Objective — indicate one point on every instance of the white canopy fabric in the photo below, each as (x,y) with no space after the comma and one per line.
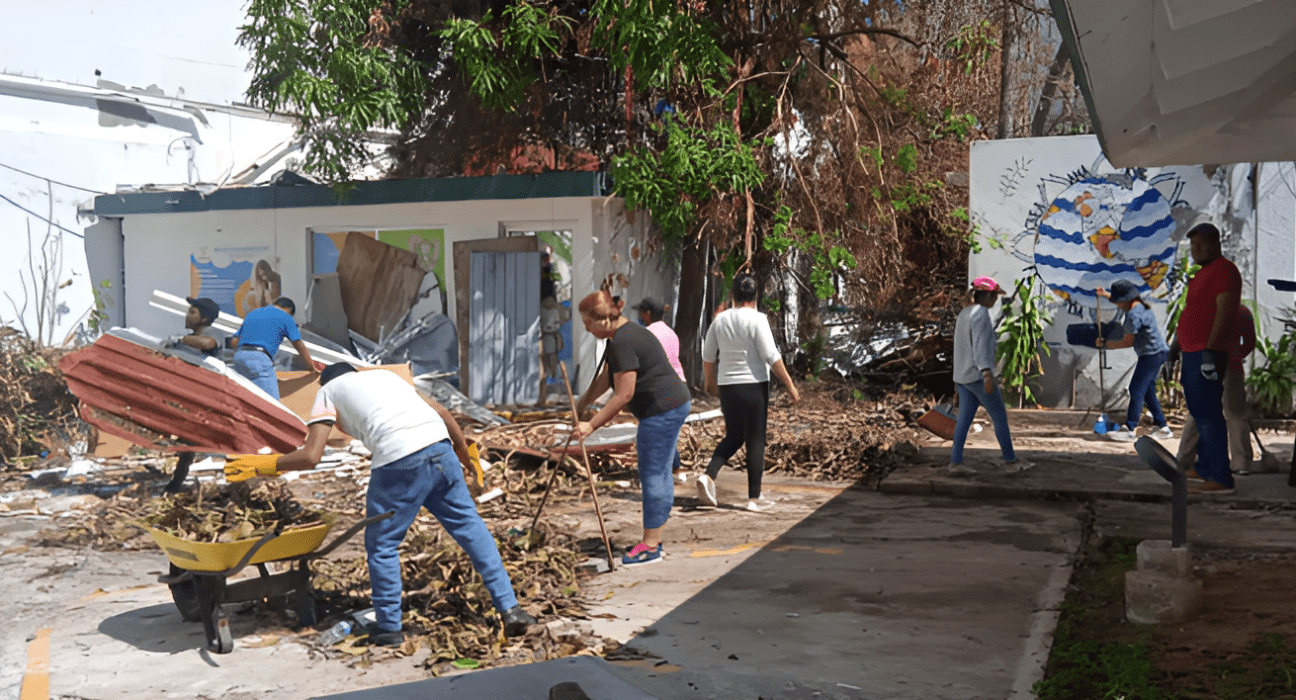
(1186,82)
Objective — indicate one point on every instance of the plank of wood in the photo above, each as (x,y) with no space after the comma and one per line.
(379,285)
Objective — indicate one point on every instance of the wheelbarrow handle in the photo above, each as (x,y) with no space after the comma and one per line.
(351,531)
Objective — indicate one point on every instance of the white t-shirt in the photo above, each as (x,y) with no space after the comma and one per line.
(741,344)
(381,410)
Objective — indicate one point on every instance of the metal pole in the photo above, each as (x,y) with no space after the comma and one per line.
(1102,357)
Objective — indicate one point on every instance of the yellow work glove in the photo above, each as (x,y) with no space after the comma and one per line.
(474,454)
(244,467)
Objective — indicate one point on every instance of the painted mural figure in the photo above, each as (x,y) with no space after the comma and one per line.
(1143,333)
(261,289)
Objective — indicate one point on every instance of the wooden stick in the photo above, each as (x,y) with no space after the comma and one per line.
(589,472)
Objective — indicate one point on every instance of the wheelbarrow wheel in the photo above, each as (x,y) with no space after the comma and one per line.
(185,595)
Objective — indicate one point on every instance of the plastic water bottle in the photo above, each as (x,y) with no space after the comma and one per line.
(335,634)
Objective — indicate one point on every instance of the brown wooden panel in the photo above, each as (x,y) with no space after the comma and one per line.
(379,284)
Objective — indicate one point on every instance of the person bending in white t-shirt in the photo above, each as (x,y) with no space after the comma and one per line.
(418,457)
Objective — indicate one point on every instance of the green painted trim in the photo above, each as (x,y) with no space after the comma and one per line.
(1062,15)
(446,189)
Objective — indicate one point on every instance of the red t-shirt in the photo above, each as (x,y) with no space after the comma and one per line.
(1217,277)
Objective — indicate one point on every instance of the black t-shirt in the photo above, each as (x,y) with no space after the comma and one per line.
(657,388)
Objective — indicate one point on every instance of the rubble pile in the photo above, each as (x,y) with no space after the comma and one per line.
(230,512)
(36,408)
(827,436)
(450,611)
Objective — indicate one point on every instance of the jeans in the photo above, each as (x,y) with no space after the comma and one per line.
(1142,390)
(656,441)
(971,397)
(746,415)
(1205,403)
(431,478)
(259,369)
(1237,416)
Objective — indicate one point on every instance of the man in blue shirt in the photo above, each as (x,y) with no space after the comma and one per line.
(257,343)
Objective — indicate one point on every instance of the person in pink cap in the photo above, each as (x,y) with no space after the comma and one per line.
(974,367)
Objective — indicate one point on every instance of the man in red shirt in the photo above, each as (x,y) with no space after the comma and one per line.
(1205,335)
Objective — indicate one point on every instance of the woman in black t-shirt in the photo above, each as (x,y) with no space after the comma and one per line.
(644,382)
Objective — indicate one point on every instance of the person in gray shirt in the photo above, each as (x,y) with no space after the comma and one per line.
(974,367)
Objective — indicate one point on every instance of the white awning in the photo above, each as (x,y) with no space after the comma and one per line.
(1185,82)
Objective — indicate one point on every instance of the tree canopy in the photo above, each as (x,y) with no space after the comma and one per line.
(807,138)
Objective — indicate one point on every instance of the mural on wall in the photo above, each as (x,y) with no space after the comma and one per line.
(238,279)
(1101,227)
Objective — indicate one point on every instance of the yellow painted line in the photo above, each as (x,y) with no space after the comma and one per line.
(723,552)
(35,685)
(803,548)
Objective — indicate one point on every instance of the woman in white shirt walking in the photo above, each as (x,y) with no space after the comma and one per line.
(974,366)
(740,348)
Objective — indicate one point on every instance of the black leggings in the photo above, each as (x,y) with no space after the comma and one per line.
(745,408)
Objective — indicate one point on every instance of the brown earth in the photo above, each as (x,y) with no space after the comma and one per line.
(1242,644)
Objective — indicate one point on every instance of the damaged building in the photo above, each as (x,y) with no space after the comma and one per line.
(445,274)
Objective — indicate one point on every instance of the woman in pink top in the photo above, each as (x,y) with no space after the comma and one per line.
(650,315)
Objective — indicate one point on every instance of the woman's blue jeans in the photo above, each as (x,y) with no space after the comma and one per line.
(971,397)
(431,478)
(656,442)
(1142,390)
(259,369)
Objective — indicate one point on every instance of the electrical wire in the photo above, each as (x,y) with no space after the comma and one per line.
(42,177)
(38,216)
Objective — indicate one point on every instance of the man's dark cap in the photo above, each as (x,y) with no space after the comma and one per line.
(1123,290)
(334,371)
(652,306)
(286,303)
(207,308)
(1208,229)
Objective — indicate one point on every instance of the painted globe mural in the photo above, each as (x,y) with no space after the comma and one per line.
(1098,231)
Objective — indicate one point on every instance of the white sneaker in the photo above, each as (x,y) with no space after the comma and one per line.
(758,504)
(706,490)
(682,477)
(1163,433)
(1123,434)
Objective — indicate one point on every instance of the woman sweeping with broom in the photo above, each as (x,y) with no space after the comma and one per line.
(1143,333)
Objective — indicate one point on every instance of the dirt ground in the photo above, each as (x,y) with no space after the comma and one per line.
(1242,644)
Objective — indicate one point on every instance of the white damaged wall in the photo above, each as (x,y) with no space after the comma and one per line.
(1041,206)
(94,95)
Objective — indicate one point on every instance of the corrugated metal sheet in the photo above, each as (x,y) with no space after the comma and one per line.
(504,328)
(139,394)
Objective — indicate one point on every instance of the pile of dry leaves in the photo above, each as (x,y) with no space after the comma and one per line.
(229,512)
(830,435)
(36,408)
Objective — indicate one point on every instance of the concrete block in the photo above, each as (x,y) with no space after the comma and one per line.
(1157,556)
(1153,598)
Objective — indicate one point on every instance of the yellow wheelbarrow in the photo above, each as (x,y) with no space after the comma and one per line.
(199,574)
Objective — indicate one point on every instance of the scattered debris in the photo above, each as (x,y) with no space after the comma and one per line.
(37,412)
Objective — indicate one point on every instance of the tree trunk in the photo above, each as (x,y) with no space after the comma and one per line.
(692,306)
(1052,84)
(1005,73)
